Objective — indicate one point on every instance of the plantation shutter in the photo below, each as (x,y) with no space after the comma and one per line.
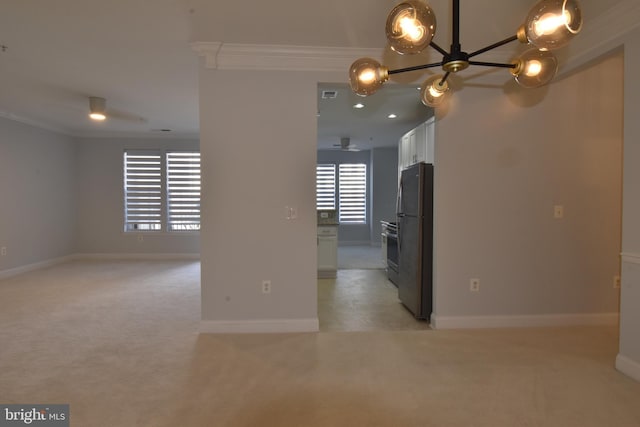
(143,190)
(183,191)
(325,186)
(352,180)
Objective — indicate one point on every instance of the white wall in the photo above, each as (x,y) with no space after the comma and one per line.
(504,159)
(629,357)
(37,195)
(258,145)
(100,201)
(503,163)
(382,168)
(353,234)
(384,165)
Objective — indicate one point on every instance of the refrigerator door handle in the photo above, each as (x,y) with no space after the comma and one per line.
(399,198)
(399,214)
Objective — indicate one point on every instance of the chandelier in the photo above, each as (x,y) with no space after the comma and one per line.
(411,26)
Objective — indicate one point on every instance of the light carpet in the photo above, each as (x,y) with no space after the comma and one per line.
(118,341)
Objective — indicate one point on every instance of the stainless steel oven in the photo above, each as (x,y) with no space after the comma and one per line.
(392,253)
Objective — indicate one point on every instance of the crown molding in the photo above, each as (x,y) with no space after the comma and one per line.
(602,34)
(33,123)
(223,56)
(182,135)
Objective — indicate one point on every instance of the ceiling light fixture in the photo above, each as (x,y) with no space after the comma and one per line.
(411,26)
(358,106)
(97,108)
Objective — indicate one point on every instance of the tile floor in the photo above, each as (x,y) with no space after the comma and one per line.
(362,299)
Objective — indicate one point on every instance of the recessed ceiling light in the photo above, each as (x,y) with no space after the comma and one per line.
(358,106)
(392,116)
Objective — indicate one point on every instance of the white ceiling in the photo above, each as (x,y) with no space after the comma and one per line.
(137,55)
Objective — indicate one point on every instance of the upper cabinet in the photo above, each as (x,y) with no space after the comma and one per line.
(417,145)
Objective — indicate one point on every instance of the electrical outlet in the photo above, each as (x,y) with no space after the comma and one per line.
(474,285)
(3,251)
(616,282)
(266,286)
(558,211)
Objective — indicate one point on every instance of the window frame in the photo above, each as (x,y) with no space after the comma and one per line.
(338,193)
(164,200)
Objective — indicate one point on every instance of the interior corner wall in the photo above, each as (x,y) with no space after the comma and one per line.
(100,195)
(384,165)
(259,146)
(37,191)
(505,157)
(352,234)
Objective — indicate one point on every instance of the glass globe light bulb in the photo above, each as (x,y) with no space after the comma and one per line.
(535,68)
(366,75)
(410,27)
(434,91)
(551,24)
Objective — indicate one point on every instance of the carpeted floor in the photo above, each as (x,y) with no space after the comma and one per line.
(118,341)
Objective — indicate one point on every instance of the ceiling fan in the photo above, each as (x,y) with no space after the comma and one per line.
(96,105)
(346,145)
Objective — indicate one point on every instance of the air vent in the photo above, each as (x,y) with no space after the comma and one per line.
(329,94)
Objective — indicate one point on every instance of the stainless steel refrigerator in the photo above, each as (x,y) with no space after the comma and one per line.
(415,239)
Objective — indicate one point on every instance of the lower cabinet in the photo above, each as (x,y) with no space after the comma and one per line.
(327,251)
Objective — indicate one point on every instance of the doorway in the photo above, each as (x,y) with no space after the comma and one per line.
(359,131)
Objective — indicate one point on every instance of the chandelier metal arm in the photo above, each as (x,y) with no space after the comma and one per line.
(438,48)
(493,46)
(411,26)
(492,64)
(417,67)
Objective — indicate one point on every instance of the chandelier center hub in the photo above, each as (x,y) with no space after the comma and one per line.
(455,66)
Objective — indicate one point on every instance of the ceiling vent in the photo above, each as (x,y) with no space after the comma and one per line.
(329,94)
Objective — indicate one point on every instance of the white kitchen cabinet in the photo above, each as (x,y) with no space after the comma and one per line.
(417,145)
(327,251)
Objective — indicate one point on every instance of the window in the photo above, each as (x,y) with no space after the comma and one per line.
(326,186)
(142,191)
(353,193)
(161,190)
(351,186)
(183,191)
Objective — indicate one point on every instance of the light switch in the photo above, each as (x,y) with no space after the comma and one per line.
(291,212)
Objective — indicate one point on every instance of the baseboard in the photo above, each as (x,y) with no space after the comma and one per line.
(628,367)
(259,326)
(4,274)
(137,256)
(531,321)
(354,242)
